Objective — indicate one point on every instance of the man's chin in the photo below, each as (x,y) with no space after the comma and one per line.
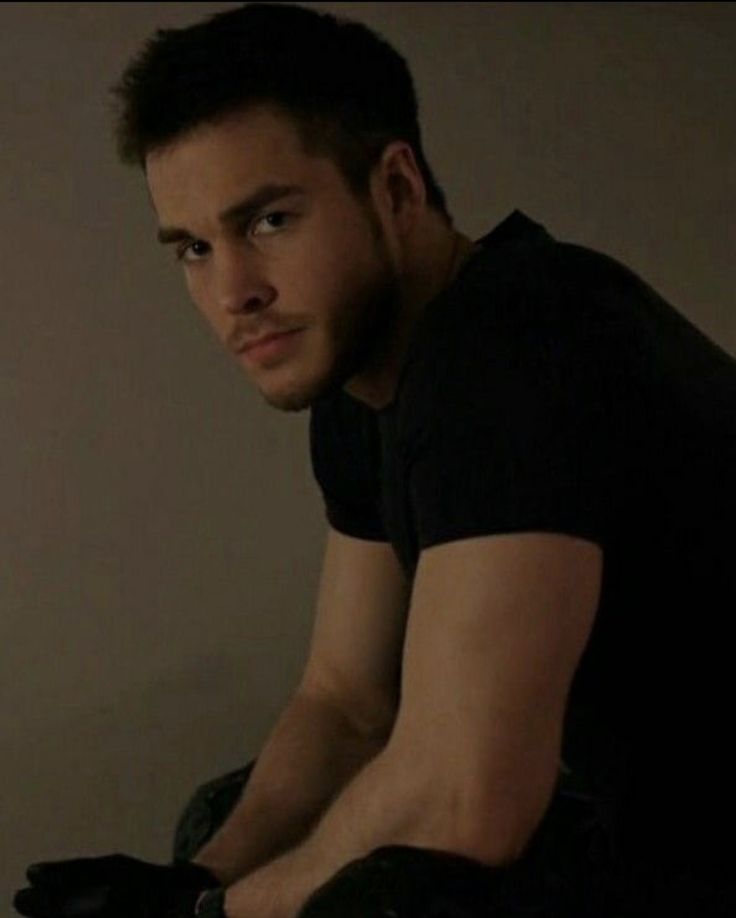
(300,394)
(299,398)
(290,401)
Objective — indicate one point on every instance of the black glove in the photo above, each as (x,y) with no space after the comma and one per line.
(115,886)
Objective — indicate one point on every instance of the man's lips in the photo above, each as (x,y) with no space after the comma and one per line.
(264,339)
(268,349)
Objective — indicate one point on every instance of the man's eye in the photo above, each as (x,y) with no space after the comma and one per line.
(191,251)
(270,223)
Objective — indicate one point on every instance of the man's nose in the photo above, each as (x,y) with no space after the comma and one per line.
(241,286)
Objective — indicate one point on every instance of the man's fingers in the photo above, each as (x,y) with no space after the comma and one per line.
(21,902)
(43,902)
(83,871)
(62,873)
(34,903)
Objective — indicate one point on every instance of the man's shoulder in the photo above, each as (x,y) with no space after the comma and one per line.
(522,285)
(514,320)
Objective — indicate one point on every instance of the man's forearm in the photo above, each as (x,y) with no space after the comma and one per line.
(312,752)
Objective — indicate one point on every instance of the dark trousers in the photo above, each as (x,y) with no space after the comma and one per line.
(573,868)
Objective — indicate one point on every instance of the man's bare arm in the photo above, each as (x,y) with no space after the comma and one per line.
(496,629)
(338,718)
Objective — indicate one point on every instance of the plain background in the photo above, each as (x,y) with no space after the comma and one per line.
(161,533)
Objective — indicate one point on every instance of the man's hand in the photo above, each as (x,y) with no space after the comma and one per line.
(115,886)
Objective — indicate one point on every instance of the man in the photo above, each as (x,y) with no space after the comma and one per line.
(516,690)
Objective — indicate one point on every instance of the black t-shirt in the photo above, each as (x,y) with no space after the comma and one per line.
(550,389)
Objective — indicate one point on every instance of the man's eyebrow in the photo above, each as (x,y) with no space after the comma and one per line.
(240,212)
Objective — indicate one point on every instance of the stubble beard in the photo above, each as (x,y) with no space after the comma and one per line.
(359,337)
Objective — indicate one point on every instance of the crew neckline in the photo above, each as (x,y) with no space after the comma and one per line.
(516,225)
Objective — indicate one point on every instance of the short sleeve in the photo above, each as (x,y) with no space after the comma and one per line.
(346,458)
(537,420)
(484,481)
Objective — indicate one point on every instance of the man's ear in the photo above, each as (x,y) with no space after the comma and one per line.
(400,184)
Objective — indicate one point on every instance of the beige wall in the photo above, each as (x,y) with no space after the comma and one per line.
(161,534)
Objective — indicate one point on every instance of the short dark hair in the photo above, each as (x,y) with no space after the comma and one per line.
(349,92)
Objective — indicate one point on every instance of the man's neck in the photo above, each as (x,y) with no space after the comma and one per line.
(435,270)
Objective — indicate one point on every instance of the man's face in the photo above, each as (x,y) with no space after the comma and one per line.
(309,265)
